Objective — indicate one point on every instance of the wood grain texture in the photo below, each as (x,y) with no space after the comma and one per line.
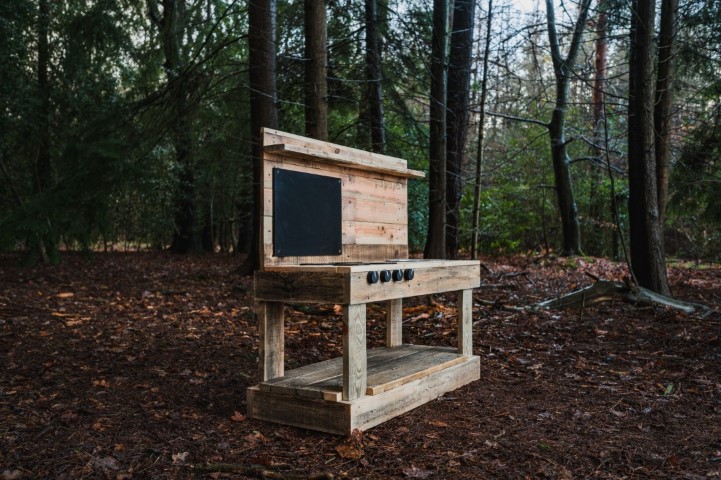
(375,409)
(271,340)
(301,287)
(374,201)
(394,322)
(465,322)
(354,351)
(343,417)
(450,277)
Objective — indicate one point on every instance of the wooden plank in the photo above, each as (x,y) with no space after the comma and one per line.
(301,287)
(341,418)
(340,159)
(374,233)
(465,322)
(394,322)
(298,412)
(354,351)
(414,368)
(426,281)
(331,388)
(304,377)
(375,409)
(276,137)
(271,343)
(351,253)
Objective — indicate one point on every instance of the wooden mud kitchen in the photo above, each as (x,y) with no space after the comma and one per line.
(335,230)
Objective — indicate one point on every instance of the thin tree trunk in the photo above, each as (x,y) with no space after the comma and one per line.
(598,114)
(459,79)
(563,67)
(663,112)
(316,70)
(647,256)
(436,239)
(481,132)
(374,92)
(42,245)
(263,109)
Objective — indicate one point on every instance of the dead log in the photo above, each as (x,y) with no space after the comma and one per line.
(606,291)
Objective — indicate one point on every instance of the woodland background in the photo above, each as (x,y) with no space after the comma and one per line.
(127,124)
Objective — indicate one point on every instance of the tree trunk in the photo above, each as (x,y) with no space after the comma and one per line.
(41,245)
(316,70)
(647,256)
(187,234)
(563,68)
(663,112)
(435,241)
(374,92)
(263,109)
(597,206)
(459,78)
(481,131)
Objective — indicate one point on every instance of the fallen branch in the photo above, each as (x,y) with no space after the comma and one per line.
(258,471)
(605,291)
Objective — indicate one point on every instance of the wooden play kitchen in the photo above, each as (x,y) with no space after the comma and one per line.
(335,230)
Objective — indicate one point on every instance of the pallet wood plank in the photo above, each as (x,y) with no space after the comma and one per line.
(394,322)
(465,322)
(354,351)
(272,343)
(406,372)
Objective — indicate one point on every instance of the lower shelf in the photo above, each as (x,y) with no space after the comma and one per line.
(399,379)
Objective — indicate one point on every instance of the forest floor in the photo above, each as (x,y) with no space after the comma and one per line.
(136,365)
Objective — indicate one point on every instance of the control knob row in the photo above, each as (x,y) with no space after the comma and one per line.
(386,275)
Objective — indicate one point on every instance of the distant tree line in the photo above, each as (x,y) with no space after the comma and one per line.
(134,124)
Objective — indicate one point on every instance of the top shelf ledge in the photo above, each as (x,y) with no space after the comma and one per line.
(342,160)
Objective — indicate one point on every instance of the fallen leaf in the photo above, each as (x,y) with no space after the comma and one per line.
(438,423)
(11,474)
(106,463)
(65,295)
(238,417)
(415,472)
(180,458)
(337,309)
(349,452)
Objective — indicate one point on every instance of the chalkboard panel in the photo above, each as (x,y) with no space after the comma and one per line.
(307,218)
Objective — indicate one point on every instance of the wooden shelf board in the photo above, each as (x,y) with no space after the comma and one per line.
(388,368)
(341,417)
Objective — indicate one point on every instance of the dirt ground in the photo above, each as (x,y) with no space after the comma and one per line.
(136,365)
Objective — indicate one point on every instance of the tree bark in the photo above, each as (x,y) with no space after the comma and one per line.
(436,239)
(263,108)
(459,78)
(663,112)
(647,255)
(481,132)
(562,68)
(187,234)
(316,70)
(374,91)
(41,245)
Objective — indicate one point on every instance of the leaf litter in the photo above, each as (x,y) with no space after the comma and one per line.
(120,365)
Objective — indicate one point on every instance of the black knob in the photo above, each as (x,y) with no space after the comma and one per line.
(385,275)
(409,274)
(397,275)
(372,277)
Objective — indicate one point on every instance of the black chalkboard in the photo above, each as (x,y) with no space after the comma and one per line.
(307,218)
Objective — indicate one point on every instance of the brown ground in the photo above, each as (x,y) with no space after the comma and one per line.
(135,366)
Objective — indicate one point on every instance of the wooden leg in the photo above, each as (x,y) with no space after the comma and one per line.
(465,322)
(272,343)
(394,322)
(354,352)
